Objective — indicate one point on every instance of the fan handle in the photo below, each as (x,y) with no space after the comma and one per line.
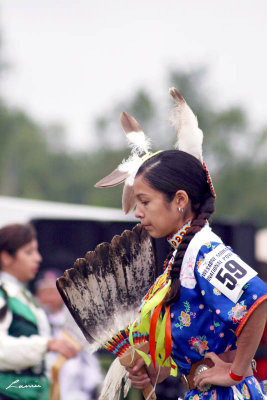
(129,358)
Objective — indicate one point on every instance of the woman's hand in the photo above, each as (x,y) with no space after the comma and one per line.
(139,378)
(247,344)
(216,375)
(141,375)
(62,346)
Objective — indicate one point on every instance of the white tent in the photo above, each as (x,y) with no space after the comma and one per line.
(17,210)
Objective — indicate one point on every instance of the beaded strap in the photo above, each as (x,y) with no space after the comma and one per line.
(209,180)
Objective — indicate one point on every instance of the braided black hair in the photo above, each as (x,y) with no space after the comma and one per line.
(168,172)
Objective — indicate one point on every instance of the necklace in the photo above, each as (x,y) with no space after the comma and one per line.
(176,239)
(163,279)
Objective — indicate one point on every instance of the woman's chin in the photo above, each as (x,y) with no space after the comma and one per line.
(153,232)
(155,235)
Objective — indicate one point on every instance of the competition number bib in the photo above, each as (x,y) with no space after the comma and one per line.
(226,272)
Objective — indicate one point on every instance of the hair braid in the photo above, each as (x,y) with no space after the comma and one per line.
(205,211)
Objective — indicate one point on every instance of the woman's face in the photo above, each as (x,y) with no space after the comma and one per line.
(25,263)
(159,217)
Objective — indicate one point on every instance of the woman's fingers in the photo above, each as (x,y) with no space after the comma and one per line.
(140,378)
(214,358)
(216,375)
(140,382)
(137,366)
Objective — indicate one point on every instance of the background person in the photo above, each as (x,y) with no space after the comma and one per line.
(24,328)
(79,377)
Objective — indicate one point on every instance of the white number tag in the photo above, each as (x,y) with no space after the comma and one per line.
(226,271)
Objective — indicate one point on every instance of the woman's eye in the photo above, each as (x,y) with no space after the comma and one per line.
(144,203)
(29,252)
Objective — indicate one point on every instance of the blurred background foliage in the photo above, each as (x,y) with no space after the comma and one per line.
(36,163)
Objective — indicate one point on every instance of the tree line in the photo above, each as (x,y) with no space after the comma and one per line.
(36,163)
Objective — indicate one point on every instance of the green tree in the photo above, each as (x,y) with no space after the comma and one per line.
(35,162)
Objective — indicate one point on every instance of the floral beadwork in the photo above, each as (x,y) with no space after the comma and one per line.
(257,385)
(203,396)
(213,395)
(245,391)
(238,312)
(216,292)
(208,245)
(196,397)
(184,317)
(199,262)
(199,343)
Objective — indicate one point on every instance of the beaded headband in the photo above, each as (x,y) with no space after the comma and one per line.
(189,140)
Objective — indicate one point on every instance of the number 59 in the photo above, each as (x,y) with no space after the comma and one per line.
(235,269)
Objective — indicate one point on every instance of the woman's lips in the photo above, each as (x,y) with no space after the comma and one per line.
(147,227)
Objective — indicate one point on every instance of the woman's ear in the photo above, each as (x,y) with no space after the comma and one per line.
(181,199)
(5,259)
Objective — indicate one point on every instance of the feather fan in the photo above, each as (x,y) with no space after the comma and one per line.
(103,291)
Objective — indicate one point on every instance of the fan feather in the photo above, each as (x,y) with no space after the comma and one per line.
(103,291)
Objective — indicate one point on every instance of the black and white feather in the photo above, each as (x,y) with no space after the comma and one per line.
(103,291)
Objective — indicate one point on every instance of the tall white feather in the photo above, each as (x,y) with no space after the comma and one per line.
(189,136)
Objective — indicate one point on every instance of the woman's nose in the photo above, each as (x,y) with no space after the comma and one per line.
(138,212)
(38,256)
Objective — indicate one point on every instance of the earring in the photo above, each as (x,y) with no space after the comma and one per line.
(180,209)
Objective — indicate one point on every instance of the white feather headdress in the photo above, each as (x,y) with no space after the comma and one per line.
(189,136)
(189,139)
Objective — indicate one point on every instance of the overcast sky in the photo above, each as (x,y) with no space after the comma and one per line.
(71,59)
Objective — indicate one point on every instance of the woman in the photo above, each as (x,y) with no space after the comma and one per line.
(24,329)
(207,312)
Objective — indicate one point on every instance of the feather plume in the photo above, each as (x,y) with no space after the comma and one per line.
(128,198)
(189,136)
(113,179)
(136,137)
(126,171)
(112,384)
